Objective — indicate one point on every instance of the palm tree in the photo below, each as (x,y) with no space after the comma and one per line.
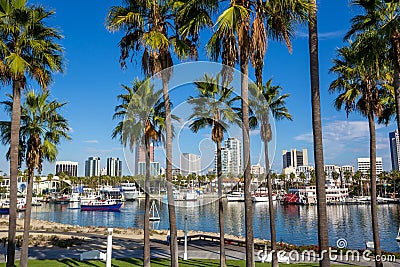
(150,28)
(317,134)
(213,107)
(143,118)
(382,16)
(42,128)
(27,50)
(263,100)
(361,84)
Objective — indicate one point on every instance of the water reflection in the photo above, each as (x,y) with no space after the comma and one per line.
(294,224)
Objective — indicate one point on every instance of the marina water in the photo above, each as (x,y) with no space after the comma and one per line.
(294,224)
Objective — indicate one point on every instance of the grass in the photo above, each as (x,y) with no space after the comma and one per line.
(154,263)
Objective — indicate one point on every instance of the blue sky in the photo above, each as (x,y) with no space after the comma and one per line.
(93,77)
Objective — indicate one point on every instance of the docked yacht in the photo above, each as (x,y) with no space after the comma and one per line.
(129,191)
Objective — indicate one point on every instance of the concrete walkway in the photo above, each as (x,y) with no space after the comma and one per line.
(127,248)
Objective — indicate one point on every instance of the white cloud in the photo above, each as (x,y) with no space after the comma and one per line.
(343,136)
(324,35)
(91,141)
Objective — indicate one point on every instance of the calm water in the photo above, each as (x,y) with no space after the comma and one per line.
(295,224)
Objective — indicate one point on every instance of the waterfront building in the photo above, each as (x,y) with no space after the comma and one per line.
(348,168)
(190,164)
(363,165)
(70,168)
(257,169)
(294,158)
(330,169)
(154,168)
(92,167)
(103,171)
(395,149)
(176,172)
(114,167)
(140,156)
(231,157)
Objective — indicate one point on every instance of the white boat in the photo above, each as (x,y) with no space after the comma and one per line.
(75,197)
(262,198)
(154,216)
(398,235)
(129,191)
(235,196)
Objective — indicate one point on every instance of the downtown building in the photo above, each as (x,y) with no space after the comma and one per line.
(363,165)
(154,168)
(140,157)
(190,164)
(92,167)
(70,168)
(114,167)
(231,157)
(395,149)
(294,158)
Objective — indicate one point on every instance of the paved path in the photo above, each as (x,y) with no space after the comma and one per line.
(128,248)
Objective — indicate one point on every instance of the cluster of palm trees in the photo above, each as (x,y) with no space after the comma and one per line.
(155,30)
(159,31)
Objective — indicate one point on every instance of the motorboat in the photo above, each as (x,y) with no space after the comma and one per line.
(129,191)
(101,205)
(235,196)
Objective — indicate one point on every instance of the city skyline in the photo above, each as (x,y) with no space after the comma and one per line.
(345,139)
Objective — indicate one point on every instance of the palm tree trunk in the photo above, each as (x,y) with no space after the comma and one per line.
(27,221)
(374,207)
(168,175)
(274,262)
(146,224)
(317,135)
(395,41)
(246,154)
(14,150)
(222,256)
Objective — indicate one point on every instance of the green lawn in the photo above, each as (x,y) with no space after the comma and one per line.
(138,262)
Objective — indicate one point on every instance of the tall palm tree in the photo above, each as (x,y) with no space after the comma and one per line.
(317,134)
(382,16)
(28,50)
(263,100)
(213,107)
(42,128)
(150,28)
(360,82)
(143,118)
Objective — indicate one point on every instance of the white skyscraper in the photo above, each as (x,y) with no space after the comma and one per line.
(364,165)
(231,157)
(114,167)
(92,167)
(190,163)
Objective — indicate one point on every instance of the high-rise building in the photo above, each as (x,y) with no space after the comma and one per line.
(140,156)
(70,168)
(395,149)
(190,163)
(114,167)
(257,169)
(92,167)
(363,165)
(231,157)
(154,168)
(294,158)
